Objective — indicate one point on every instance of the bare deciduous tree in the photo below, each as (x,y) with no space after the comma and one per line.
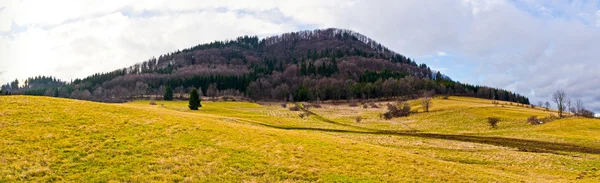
(578,107)
(211,91)
(547,105)
(560,97)
(426,101)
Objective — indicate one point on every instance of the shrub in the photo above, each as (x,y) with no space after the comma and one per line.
(493,121)
(394,111)
(533,120)
(295,108)
(548,119)
(284,105)
(387,116)
(152,102)
(373,105)
(587,113)
(405,110)
(353,104)
(228,98)
(303,115)
(445,97)
(358,119)
(315,105)
(365,106)
(495,102)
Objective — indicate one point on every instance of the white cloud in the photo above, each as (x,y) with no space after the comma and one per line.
(111,41)
(441,53)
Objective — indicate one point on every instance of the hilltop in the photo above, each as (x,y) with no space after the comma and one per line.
(51,139)
(317,65)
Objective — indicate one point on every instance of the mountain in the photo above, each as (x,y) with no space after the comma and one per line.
(324,64)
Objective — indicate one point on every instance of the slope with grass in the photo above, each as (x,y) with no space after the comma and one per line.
(49,139)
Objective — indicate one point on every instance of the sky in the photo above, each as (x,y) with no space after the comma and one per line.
(530,47)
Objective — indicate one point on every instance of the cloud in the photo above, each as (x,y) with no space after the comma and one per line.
(531,47)
(104,43)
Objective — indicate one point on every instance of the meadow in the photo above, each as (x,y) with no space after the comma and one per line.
(50,139)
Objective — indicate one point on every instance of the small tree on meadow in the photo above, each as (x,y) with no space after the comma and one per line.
(560,98)
(426,101)
(194,100)
(168,93)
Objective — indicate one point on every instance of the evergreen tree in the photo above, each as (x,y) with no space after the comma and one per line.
(194,100)
(168,93)
(438,76)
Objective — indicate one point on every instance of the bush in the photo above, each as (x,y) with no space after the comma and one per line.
(228,98)
(587,113)
(353,104)
(495,102)
(387,116)
(549,119)
(533,120)
(358,119)
(493,121)
(284,105)
(365,106)
(152,102)
(313,105)
(394,111)
(295,108)
(303,115)
(375,106)
(445,97)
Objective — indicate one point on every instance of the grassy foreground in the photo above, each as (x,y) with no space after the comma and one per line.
(48,139)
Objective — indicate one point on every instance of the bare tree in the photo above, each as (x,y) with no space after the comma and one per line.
(212,91)
(541,104)
(547,105)
(568,105)
(426,101)
(559,97)
(578,108)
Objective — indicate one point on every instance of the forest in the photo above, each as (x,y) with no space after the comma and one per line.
(316,65)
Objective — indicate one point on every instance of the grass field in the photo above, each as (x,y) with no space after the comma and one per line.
(49,139)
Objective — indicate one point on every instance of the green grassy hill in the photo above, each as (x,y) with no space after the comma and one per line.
(50,139)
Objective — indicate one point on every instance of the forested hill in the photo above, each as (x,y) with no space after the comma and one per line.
(326,64)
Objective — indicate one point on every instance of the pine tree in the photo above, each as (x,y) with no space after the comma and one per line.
(194,100)
(168,93)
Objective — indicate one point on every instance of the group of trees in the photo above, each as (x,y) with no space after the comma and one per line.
(566,105)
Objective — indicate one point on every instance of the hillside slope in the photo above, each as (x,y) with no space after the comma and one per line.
(46,139)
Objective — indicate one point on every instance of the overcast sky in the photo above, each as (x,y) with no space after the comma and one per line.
(531,47)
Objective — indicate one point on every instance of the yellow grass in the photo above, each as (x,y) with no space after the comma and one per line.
(49,139)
